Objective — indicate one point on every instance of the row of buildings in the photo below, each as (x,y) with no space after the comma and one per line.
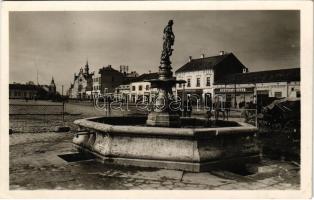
(86,85)
(30,90)
(223,75)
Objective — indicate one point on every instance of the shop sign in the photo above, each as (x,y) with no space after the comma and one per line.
(233,90)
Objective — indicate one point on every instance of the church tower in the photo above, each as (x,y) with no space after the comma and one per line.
(52,86)
(87,68)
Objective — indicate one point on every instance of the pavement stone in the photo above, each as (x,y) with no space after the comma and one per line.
(158,174)
(204,178)
(34,164)
(269,181)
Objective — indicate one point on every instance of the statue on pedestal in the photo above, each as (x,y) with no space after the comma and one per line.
(168,38)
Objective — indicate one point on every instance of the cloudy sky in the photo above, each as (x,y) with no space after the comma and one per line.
(59,43)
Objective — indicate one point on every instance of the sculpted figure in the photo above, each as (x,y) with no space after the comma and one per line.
(168,38)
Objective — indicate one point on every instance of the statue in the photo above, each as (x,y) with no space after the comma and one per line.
(168,38)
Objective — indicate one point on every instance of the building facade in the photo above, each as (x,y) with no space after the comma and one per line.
(96,85)
(258,86)
(32,91)
(140,88)
(110,78)
(82,84)
(122,92)
(200,74)
(22,91)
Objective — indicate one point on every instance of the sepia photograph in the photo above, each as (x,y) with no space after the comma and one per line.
(206,100)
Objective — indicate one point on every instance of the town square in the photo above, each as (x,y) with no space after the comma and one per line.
(155,100)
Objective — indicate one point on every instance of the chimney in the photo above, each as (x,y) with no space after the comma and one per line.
(190,58)
(221,53)
(202,55)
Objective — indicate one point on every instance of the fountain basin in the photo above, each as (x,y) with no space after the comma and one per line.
(127,141)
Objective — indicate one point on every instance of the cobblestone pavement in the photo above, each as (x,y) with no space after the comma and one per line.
(35,164)
(46,123)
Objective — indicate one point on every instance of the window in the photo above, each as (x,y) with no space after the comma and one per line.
(140,87)
(278,94)
(189,83)
(208,81)
(180,85)
(147,87)
(198,82)
(133,88)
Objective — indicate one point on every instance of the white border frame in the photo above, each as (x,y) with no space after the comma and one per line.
(306,64)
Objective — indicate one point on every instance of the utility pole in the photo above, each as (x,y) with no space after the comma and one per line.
(37,76)
(63,106)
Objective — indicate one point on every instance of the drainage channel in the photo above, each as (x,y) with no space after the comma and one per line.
(76,157)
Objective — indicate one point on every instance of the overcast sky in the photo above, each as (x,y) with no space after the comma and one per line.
(59,43)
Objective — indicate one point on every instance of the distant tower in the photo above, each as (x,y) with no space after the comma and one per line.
(52,86)
(86,68)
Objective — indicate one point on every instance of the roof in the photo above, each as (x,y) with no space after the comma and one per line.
(145,77)
(108,69)
(203,63)
(281,75)
(18,86)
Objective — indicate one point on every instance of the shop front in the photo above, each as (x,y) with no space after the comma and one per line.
(236,97)
(194,95)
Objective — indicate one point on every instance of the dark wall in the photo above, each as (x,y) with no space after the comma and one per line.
(229,65)
(111,80)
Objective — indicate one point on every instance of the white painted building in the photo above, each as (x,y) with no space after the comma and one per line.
(200,74)
(140,91)
(122,92)
(96,85)
(258,86)
(197,82)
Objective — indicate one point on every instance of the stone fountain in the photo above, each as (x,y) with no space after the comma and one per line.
(163,139)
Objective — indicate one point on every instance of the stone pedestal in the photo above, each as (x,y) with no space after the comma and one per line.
(163,119)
